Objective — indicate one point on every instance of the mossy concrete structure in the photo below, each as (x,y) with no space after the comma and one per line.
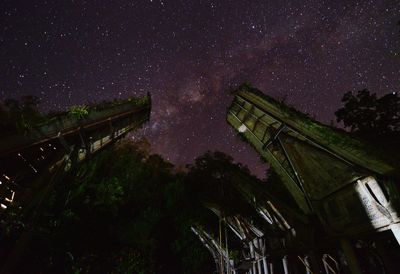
(31,164)
(65,137)
(342,184)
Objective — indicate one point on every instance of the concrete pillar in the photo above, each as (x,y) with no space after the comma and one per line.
(327,271)
(307,262)
(259,267)
(265,265)
(253,256)
(254,268)
(285,261)
(258,245)
(351,257)
(271,267)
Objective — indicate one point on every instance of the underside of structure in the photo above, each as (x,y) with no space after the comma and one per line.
(33,162)
(333,207)
(337,213)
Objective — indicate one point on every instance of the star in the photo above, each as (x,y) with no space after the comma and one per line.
(188,54)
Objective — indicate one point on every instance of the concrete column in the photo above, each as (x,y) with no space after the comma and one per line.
(265,265)
(254,268)
(307,262)
(253,256)
(325,264)
(285,261)
(259,268)
(351,257)
(257,244)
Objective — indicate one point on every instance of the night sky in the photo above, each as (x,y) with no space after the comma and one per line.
(187,54)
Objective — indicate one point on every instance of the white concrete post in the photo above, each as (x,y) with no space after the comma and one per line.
(271,268)
(257,244)
(307,263)
(265,265)
(252,255)
(285,261)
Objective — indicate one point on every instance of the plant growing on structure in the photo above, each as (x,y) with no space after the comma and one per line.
(79,112)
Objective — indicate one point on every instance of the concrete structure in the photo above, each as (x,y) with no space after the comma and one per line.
(32,163)
(64,139)
(344,217)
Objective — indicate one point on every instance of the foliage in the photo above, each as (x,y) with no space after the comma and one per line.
(220,183)
(19,116)
(372,118)
(124,211)
(79,112)
(211,178)
(366,113)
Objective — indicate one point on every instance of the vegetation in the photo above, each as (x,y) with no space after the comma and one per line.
(19,116)
(359,148)
(371,117)
(79,112)
(125,211)
(367,114)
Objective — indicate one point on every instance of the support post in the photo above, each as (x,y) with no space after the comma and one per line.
(254,268)
(258,245)
(307,262)
(271,268)
(265,265)
(285,261)
(253,257)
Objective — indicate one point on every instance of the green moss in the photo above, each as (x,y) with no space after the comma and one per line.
(79,112)
(327,136)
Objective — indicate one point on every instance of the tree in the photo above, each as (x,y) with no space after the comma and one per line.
(124,211)
(18,116)
(369,116)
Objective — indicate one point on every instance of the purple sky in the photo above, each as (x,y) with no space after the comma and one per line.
(188,54)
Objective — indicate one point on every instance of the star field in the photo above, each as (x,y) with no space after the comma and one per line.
(188,54)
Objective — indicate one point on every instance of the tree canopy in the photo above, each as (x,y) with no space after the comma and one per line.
(124,211)
(17,116)
(370,116)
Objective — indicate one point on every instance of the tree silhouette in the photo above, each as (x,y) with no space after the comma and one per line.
(18,116)
(371,117)
(125,211)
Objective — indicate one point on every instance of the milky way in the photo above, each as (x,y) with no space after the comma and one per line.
(188,54)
